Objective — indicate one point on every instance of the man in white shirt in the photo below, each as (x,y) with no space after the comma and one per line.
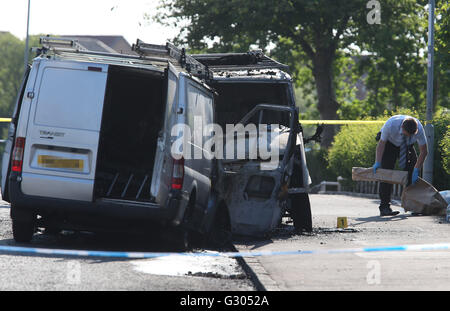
(397,139)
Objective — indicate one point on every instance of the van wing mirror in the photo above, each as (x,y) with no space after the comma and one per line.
(317,135)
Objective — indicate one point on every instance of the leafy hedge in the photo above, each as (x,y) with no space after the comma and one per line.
(355,145)
(441,169)
(445,146)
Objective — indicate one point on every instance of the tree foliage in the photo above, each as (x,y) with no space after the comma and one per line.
(355,146)
(322,41)
(445,147)
(442,54)
(12,65)
(11,71)
(314,27)
(441,169)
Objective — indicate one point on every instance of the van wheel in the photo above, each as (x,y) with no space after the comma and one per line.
(180,239)
(23,230)
(220,234)
(301,212)
(52,230)
(187,238)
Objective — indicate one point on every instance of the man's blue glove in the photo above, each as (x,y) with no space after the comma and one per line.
(375,166)
(415,175)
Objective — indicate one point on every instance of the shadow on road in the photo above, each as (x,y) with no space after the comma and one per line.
(363,220)
(87,241)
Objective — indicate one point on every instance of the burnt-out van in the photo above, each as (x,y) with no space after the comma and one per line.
(89,144)
(253,196)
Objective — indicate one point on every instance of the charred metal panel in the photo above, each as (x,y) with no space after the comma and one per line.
(252,212)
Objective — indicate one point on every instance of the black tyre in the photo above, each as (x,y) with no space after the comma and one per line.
(180,239)
(301,212)
(220,234)
(23,230)
(186,237)
(52,230)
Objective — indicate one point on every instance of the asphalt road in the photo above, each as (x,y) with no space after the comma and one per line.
(48,273)
(415,270)
(418,270)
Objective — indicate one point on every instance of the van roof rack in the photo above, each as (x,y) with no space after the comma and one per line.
(68,48)
(252,60)
(189,63)
(56,42)
(148,54)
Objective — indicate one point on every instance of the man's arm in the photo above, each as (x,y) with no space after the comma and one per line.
(422,156)
(380,150)
(379,155)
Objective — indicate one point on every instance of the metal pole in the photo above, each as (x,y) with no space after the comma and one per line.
(429,130)
(26,40)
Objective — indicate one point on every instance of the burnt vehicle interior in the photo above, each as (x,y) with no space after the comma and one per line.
(235,100)
(133,115)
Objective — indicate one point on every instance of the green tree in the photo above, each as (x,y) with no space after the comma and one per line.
(310,33)
(396,66)
(355,146)
(442,55)
(11,71)
(12,51)
(445,147)
(441,169)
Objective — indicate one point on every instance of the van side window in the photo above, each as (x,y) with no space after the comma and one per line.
(208,112)
(172,96)
(192,106)
(198,105)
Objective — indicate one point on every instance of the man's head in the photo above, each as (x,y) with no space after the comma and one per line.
(409,126)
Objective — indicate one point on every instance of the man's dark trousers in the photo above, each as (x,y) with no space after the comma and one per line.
(390,155)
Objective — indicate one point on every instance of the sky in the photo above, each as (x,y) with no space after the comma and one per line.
(85,17)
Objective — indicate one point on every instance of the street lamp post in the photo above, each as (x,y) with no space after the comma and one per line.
(26,40)
(429,130)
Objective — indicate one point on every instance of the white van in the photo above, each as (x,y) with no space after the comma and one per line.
(89,142)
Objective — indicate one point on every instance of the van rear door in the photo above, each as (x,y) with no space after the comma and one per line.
(161,178)
(63,130)
(11,136)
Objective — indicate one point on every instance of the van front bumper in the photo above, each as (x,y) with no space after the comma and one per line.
(92,213)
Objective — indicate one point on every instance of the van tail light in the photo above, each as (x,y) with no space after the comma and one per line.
(177,173)
(17,156)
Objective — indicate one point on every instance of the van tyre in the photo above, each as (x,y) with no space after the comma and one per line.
(186,237)
(23,230)
(52,230)
(220,234)
(23,223)
(301,212)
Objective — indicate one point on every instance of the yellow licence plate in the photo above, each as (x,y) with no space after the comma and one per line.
(57,162)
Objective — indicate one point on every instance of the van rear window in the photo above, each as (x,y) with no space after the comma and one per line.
(71,98)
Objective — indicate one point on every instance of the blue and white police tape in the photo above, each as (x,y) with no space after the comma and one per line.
(136,255)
